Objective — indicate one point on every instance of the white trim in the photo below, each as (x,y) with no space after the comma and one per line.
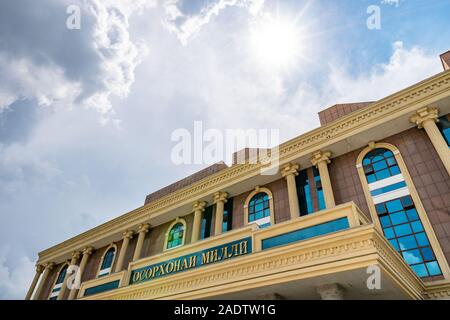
(262,221)
(395,194)
(104,271)
(386,182)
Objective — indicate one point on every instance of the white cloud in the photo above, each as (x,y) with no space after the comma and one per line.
(102,59)
(187,25)
(15,280)
(404,68)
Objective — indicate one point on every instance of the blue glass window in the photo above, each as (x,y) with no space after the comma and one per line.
(306,233)
(227,223)
(305,190)
(62,275)
(108,259)
(258,207)
(404,230)
(380,164)
(206,223)
(175,237)
(444,126)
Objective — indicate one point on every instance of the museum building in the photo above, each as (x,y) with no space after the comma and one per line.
(366,194)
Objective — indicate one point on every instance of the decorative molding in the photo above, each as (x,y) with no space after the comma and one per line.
(423,115)
(220,196)
(290,169)
(399,104)
(362,244)
(320,156)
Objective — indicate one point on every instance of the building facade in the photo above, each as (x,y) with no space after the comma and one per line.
(360,209)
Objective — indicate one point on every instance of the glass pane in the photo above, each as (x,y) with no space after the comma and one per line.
(398,218)
(427,254)
(412,214)
(420,270)
(385,221)
(422,239)
(383,174)
(433,268)
(407,243)
(417,226)
(389,233)
(412,256)
(403,230)
(394,206)
(380,165)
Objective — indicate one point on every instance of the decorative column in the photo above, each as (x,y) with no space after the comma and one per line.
(289,172)
(198,208)
(39,270)
(48,268)
(426,118)
(75,257)
(86,254)
(143,229)
(321,160)
(127,236)
(220,198)
(332,291)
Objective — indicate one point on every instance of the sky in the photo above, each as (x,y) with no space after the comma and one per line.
(87,114)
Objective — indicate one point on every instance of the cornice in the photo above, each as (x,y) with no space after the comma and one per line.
(396,105)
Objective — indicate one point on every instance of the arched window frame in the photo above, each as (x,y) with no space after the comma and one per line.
(66,264)
(112,245)
(257,190)
(166,238)
(413,193)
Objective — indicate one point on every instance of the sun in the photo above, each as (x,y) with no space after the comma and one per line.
(276,42)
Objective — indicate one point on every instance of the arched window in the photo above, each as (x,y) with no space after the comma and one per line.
(175,237)
(380,164)
(59,282)
(259,208)
(107,262)
(396,211)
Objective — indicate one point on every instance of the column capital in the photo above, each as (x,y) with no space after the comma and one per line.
(424,114)
(220,196)
(320,156)
(50,265)
(128,234)
(88,251)
(290,169)
(143,228)
(199,206)
(76,255)
(39,268)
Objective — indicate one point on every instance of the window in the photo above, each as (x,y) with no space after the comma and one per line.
(175,238)
(59,282)
(305,190)
(318,183)
(206,223)
(397,213)
(227,223)
(404,230)
(259,210)
(380,164)
(444,127)
(107,262)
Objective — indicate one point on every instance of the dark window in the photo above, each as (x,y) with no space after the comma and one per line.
(444,127)
(380,164)
(108,258)
(227,224)
(175,237)
(404,230)
(259,208)
(318,182)
(206,223)
(304,194)
(62,275)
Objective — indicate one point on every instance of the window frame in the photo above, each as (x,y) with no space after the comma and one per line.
(257,190)
(166,237)
(435,245)
(65,264)
(112,245)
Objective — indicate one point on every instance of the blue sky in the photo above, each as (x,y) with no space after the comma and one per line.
(86,115)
